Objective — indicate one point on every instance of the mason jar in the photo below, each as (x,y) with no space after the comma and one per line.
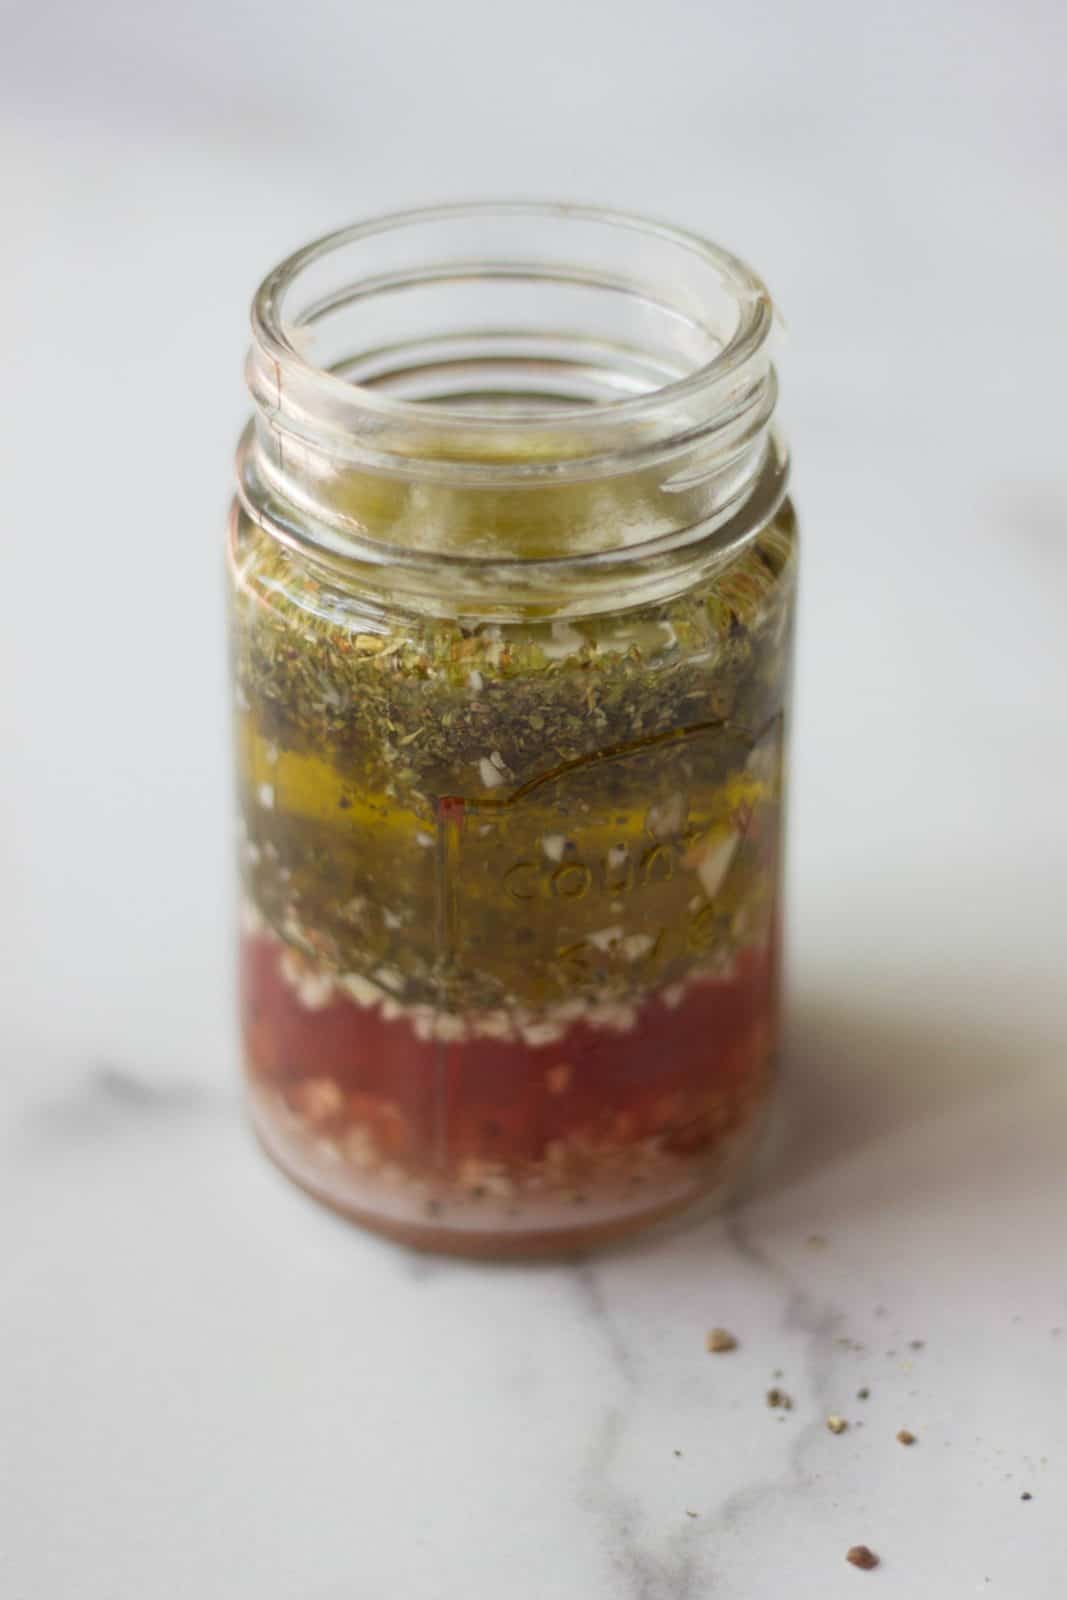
(512,571)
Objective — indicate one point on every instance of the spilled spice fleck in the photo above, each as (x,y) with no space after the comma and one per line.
(1026,1495)
(863,1394)
(677,1452)
(719,1340)
(817,1241)
(905,1436)
(861,1555)
(692,1513)
(779,1398)
(836,1424)
(918,1344)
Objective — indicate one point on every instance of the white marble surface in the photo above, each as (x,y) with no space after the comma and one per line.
(209,1388)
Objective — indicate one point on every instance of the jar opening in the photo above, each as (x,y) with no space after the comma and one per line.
(417,376)
(501,314)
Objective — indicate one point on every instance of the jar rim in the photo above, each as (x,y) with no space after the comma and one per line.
(755,317)
(688,456)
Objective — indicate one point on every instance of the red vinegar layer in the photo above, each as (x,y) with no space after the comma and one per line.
(688,1072)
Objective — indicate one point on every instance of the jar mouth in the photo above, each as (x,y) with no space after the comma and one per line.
(674,273)
(478,404)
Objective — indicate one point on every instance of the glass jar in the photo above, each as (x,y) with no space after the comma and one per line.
(512,578)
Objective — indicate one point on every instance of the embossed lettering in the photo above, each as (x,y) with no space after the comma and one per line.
(703,926)
(571,881)
(574,962)
(518,883)
(657,864)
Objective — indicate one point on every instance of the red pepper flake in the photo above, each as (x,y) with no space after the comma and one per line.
(861,1555)
(558,1079)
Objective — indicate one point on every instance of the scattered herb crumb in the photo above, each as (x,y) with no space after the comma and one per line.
(692,1513)
(817,1241)
(905,1436)
(836,1424)
(779,1398)
(863,1394)
(1026,1495)
(719,1340)
(861,1555)
(918,1344)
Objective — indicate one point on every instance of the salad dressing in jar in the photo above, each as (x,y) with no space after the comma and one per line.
(512,574)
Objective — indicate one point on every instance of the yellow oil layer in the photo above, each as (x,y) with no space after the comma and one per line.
(308,787)
(554,891)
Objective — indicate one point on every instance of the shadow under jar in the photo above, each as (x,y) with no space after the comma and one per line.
(512,574)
